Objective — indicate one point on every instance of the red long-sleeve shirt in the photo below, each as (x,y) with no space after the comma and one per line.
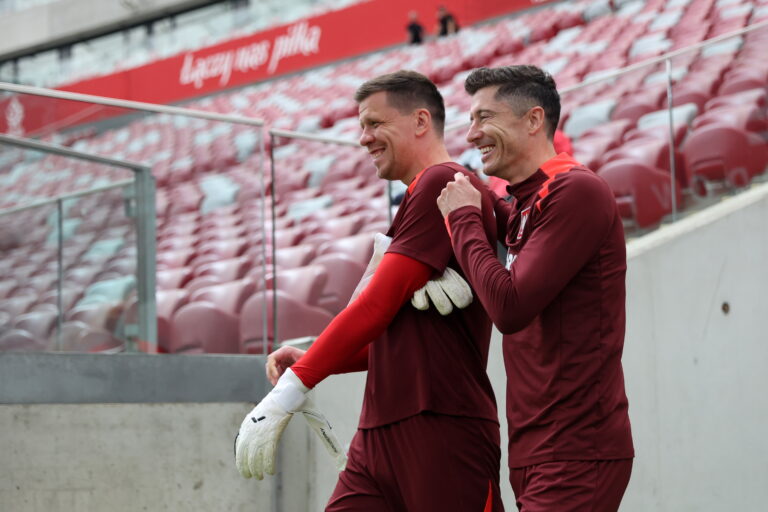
(560,302)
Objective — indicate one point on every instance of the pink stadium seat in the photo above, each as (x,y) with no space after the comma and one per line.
(294,320)
(229,297)
(18,304)
(19,340)
(104,315)
(724,153)
(7,287)
(78,336)
(204,327)
(653,152)
(175,259)
(743,117)
(305,284)
(757,97)
(292,257)
(40,324)
(590,150)
(172,278)
(634,106)
(230,248)
(358,247)
(644,192)
(344,274)
(228,269)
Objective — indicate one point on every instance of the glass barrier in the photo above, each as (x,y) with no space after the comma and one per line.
(229,230)
(329,202)
(208,170)
(74,251)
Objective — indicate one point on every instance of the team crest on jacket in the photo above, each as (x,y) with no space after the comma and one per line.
(523,219)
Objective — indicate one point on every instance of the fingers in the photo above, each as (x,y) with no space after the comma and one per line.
(241,456)
(279,360)
(456,288)
(419,299)
(439,298)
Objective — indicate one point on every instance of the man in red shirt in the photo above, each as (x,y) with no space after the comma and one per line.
(428,437)
(559,300)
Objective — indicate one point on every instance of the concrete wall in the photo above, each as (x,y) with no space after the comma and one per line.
(695,379)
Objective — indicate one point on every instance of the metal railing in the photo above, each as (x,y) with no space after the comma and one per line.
(144,191)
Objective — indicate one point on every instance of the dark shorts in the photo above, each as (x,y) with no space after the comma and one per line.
(583,486)
(424,463)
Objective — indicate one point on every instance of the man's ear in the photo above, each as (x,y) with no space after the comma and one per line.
(422,120)
(536,120)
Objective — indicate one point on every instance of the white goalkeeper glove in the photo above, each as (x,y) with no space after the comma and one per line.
(446,291)
(256,442)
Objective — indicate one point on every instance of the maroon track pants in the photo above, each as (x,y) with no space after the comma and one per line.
(425,463)
(571,486)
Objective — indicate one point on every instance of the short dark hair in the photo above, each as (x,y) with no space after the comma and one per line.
(523,87)
(407,91)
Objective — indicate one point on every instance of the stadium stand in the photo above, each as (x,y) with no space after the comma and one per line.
(214,257)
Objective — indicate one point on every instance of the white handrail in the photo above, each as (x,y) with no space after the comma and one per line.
(128,104)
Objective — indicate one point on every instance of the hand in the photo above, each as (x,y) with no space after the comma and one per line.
(256,442)
(280,360)
(445,292)
(457,193)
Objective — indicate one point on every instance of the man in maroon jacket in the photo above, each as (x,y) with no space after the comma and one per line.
(559,300)
(428,437)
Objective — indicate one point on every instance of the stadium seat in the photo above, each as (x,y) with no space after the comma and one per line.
(643,193)
(40,324)
(228,297)
(344,274)
(717,152)
(305,284)
(19,340)
(743,117)
(203,327)
(294,320)
(78,336)
(228,269)
(358,247)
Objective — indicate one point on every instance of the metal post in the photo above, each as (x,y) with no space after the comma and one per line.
(60,281)
(273,201)
(146,249)
(672,170)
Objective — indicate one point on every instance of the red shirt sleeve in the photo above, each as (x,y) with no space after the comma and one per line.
(342,345)
(575,218)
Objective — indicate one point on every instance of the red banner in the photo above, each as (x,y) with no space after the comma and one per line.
(358,29)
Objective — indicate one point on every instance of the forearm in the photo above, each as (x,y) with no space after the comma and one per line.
(343,345)
(490,280)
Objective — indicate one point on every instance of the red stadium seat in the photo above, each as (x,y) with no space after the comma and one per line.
(344,274)
(292,257)
(173,278)
(717,152)
(40,324)
(647,191)
(228,269)
(204,327)
(305,284)
(229,297)
(294,320)
(358,247)
(743,117)
(19,340)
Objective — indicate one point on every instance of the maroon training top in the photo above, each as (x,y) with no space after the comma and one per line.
(560,304)
(425,361)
